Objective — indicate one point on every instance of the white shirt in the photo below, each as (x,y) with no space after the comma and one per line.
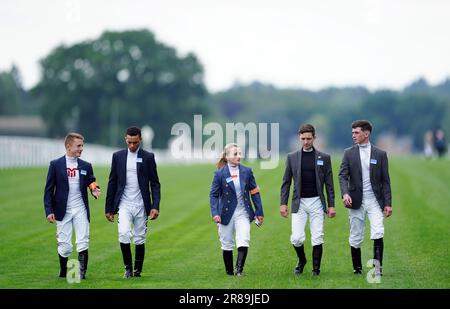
(132,194)
(234,172)
(364,153)
(74,198)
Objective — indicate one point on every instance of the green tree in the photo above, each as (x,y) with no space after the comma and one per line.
(12,94)
(100,87)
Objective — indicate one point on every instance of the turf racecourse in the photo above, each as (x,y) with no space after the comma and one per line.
(183,249)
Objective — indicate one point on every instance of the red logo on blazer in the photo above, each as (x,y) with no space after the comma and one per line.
(71,172)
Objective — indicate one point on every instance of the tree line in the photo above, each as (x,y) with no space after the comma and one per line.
(101,86)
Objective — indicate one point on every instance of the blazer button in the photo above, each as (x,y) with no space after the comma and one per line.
(226,193)
(226,185)
(228,201)
(226,209)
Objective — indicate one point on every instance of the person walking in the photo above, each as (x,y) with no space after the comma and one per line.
(312,173)
(133,173)
(366,191)
(66,201)
(232,187)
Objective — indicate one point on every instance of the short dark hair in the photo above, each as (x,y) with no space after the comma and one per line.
(133,131)
(365,125)
(71,137)
(307,128)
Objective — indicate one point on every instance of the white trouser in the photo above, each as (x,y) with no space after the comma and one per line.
(312,207)
(357,221)
(75,218)
(132,214)
(241,224)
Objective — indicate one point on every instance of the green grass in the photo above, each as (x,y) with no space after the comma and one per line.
(183,249)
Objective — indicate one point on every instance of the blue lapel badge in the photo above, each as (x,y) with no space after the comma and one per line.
(229,179)
(83,172)
(138,160)
(373,161)
(319,162)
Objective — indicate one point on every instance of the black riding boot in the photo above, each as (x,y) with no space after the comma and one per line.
(83,259)
(356,259)
(301,259)
(240,262)
(127,260)
(139,260)
(317,257)
(228,261)
(62,266)
(378,247)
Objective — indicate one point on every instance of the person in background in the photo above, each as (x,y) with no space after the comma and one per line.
(439,143)
(428,145)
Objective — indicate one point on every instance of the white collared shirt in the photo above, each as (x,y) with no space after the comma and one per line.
(74,199)
(234,172)
(132,193)
(364,153)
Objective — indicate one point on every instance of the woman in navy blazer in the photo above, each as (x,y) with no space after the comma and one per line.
(231,209)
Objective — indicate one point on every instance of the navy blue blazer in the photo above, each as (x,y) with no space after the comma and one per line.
(57,187)
(223,199)
(147,174)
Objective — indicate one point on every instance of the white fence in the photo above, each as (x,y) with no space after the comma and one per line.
(16,151)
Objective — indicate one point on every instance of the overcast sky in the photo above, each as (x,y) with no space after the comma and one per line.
(289,43)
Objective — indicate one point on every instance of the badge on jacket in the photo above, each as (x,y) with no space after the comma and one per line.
(373,161)
(83,172)
(319,162)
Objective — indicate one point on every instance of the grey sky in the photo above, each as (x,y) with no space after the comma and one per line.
(311,44)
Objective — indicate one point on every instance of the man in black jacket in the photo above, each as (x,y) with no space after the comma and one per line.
(133,170)
(366,189)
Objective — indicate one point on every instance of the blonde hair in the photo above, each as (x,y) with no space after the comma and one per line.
(223,158)
(70,138)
